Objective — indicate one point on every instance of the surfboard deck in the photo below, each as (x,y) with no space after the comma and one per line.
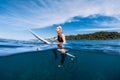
(39,38)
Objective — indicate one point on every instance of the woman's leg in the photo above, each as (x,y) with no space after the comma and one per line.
(63,51)
(62,58)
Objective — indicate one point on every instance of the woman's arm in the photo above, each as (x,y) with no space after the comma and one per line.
(63,37)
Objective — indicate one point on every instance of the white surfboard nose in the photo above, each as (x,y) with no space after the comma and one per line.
(39,38)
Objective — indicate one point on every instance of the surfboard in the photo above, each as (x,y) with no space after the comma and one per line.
(67,53)
(39,38)
(70,55)
(47,42)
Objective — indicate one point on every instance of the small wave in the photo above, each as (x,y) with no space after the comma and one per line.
(103,46)
(9,46)
(111,45)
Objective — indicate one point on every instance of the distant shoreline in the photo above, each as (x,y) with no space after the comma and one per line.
(102,35)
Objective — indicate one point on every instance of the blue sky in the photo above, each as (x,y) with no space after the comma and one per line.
(42,16)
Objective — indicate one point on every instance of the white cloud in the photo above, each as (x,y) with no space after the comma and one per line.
(19,15)
(56,12)
(99,29)
(110,24)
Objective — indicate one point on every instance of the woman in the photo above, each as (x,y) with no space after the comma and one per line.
(60,41)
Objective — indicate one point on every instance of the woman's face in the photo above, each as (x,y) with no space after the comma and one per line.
(57,29)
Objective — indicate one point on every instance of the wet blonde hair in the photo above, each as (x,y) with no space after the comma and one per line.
(59,28)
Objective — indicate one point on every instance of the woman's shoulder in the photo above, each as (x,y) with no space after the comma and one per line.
(62,34)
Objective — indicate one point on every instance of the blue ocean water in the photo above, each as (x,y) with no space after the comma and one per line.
(8,47)
(34,60)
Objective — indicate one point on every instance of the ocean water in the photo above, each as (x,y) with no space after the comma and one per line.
(34,60)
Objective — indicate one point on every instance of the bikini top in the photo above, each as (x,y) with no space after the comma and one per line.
(59,38)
